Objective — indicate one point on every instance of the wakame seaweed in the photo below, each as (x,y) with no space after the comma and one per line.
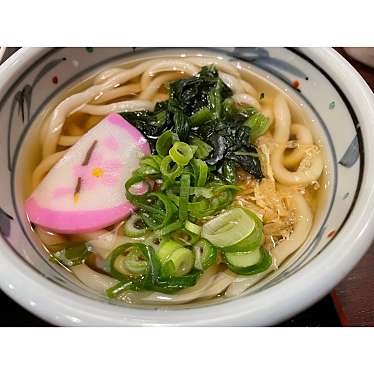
(192,94)
(201,108)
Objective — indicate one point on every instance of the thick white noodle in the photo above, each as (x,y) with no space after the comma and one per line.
(92,279)
(232,82)
(241,283)
(115,93)
(237,85)
(282,115)
(249,88)
(44,129)
(221,64)
(167,65)
(185,296)
(106,74)
(221,281)
(267,111)
(246,99)
(302,226)
(305,174)
(121,106)
(102,242)
(72,104)
(304,137)
(156,83)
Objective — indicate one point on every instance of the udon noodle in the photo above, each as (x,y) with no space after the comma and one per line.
(291,162)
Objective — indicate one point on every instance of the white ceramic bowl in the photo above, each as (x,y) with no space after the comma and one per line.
(337,100)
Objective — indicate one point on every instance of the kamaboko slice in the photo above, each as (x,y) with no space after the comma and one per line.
(85,190)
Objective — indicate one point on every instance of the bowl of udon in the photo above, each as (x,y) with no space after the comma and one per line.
(181,186)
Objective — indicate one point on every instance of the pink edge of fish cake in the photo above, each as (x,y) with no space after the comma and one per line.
(73,222)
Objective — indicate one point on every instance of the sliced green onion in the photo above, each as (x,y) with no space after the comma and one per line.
(170,228)
(183,197)
(154,239)
(181,153)
(146,171)
(133,181)
(119,288)
(203,149)
(166,249)
(167,182)
(117,265)
(135,261)
(223,196)
(153,268)
(157,214)
(174,198)
(201,116)
(165,142)
(179,263)
(169,170)
(206,192)
(205,254)
(153,221)
(228,228)
(73,253)
(194,148)
(147,205)
(253,241)
(134,227)
(200,172)
(248,263)
(184,237)
(65,245)
(224,187)
(168,270)
(191,227)
(250,243)
(243,259)
(174,284)
(152,279)
(199,209)
(258,124)
(149,166)
(153,161)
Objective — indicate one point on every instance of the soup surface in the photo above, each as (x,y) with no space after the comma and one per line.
(211,179)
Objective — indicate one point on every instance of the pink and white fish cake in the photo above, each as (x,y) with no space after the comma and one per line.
(85,190)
